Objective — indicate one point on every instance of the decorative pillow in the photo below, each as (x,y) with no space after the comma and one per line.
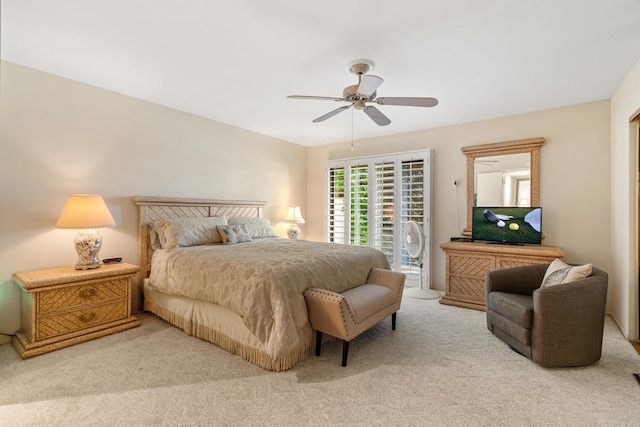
(560,272)
(234,234)
(258,227)
(182,232)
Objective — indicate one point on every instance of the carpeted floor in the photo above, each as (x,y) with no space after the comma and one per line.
(441,367)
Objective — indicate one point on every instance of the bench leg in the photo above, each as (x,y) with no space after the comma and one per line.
(345,352)
(393,321)
(318,342)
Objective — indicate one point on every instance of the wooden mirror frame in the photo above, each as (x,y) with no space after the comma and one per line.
(531,146)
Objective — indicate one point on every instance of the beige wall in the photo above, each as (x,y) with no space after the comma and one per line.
(624,161)
(59,137)
(574,171)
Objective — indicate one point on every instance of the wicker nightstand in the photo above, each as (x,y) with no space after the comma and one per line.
(64,306)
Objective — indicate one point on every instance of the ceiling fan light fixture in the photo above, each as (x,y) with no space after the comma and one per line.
(368,85)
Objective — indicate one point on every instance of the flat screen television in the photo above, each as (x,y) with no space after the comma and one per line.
(509,225)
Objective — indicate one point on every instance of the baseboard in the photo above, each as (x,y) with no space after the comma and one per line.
(619,325)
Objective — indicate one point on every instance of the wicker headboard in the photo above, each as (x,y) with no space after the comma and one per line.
(153,209)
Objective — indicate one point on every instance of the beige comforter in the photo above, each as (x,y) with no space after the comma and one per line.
(263,281)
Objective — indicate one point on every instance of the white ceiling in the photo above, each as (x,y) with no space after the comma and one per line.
(236,61)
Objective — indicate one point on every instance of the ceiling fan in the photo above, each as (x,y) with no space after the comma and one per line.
(365,92)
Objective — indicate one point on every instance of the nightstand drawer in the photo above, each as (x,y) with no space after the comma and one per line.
(58,324)
(76,296)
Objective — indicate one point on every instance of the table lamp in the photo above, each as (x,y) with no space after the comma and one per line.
(86,213)
(294,217)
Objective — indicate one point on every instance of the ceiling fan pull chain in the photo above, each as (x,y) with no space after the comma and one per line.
(352,129)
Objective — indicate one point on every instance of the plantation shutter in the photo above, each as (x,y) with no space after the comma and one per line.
(384,208)
(359,205)
(412,205)
(336,205)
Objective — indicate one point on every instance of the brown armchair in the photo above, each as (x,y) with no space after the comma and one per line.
(555,326)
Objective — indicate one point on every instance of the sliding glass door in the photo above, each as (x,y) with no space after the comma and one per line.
(370,200)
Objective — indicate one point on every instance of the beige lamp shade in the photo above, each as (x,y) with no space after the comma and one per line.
(84,211)
(293,215)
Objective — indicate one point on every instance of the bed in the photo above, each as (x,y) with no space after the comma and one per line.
(242,288)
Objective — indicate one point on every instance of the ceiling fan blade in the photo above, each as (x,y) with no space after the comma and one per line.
(408,102)
(321,98)
(377,116)
(369,84)
(331,114)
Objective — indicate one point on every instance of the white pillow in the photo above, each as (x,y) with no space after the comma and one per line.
(183,232)
(560,272)
(257,227)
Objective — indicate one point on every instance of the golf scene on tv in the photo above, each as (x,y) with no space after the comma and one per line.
(510,225)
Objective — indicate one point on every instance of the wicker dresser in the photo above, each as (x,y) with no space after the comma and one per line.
(63,306)
(468,261)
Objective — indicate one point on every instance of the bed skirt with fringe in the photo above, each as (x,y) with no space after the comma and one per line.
(223,328)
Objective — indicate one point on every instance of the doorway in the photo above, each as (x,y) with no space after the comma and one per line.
(634,291)
(633,301)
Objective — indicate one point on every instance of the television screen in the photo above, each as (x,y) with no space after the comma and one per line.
(507,225)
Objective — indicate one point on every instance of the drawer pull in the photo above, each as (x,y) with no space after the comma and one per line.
(86,318)
(87,293)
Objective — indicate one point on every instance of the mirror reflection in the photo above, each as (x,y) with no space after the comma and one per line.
(503,180)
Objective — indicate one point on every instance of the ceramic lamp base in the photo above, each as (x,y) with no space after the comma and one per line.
(293,232)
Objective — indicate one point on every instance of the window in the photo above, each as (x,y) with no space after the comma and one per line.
(371,199)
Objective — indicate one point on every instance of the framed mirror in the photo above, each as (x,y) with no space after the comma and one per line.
(502,180)
(502,174)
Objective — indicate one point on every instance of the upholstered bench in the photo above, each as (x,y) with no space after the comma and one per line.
(348,314)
